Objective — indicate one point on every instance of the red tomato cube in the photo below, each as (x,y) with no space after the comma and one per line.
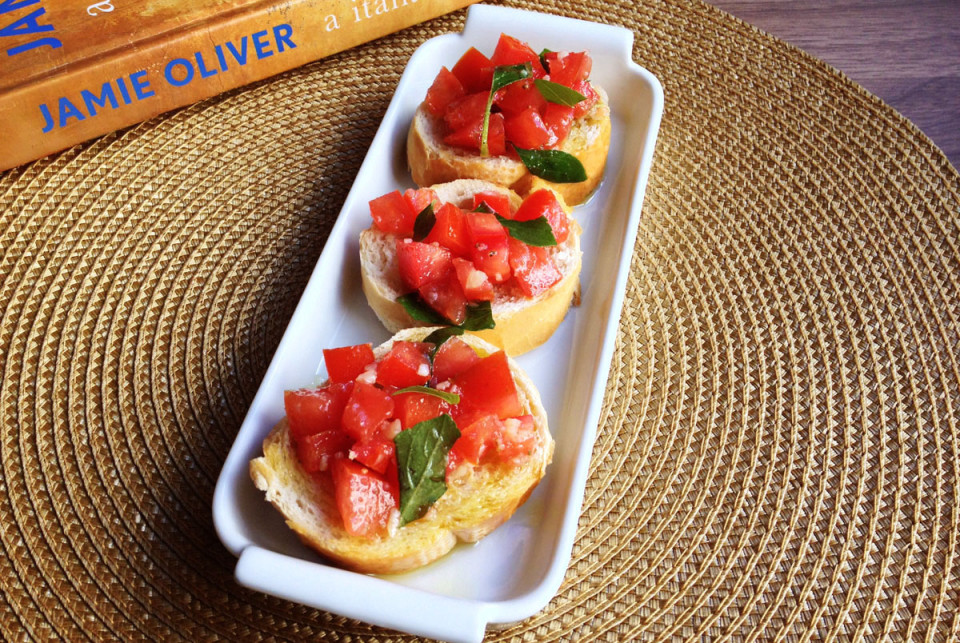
(544,203)
(528,130)
(559,120)
(476,439)
(420,263)
(450,230)
(584,106)
(499,203)
(444,90)
(518,97)
(392,213)
(316,451)
(367,408)
(375,453)
(413,408)
(364,498)
(475,284)
(568,68)
(446,297)
(533,268)
(466,112)
(474,71)
(420,198)
(345,363)
(489,250)
(469,137)
(407,364)
(517,438)
(313,410)
(488,387)
(453,357)
(511,51)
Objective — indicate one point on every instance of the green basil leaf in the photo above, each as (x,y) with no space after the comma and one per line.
(534,232)
(441,335)
(506,74)
(479,317)
(421,464)
(556,166)
(483,207)
(424,223)
(419,310)
(543,60)
(502,76)
(451,398)
(557,93)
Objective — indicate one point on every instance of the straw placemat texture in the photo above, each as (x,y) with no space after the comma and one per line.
(778,456)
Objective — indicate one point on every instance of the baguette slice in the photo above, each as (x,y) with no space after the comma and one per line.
(522,323)
(477,500)
(433,161)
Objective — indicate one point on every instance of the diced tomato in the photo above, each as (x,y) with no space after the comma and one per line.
(444,90)
(475,283)
(446,297)
(474,441)
(405,365)
(420,263)
(517,438)
(489,248)
(496,137)
(469,137)
(584,106)
(533,268)
(466,112)
(364,498)
(453,357)
(315,451)
(511,51)
(412,408)
(420,198)
(559,120)
(488,386)
(544,203)
(345,363)
(528,130)
(491,439)
(518,97)
(314,410)
(499,203)
(366,409)
(568,68)
(450,230)
(474,71)
(392,213)
(375,453)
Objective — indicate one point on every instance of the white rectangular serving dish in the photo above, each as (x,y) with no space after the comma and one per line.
(514,572)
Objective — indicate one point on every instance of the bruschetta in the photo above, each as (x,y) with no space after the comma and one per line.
(405,450)
(482,249)
(518,119)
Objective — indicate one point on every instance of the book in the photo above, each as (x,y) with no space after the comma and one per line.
(72,70)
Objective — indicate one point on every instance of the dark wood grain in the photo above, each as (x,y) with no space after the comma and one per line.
(905,52)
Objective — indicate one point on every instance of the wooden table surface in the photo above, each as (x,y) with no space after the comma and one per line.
(905,52)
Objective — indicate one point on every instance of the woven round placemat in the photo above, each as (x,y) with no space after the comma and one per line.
(778,455)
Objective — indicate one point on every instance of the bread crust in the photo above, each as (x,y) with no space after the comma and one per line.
(474,504)
(522,323)
(433,161)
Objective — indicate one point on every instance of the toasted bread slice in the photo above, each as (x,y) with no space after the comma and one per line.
(522,323)
(477,500)
(433,161)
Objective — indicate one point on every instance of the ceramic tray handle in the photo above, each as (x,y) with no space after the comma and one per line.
(365,598)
